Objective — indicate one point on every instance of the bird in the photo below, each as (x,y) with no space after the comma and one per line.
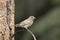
(26,24)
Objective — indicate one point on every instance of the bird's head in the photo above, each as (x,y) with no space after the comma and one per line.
(31,17)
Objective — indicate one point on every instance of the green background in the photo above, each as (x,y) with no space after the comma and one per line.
(47,23)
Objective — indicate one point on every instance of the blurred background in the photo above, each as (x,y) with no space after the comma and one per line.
(47,23)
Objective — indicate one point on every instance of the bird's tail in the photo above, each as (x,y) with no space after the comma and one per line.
(17,25)
(31,33)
